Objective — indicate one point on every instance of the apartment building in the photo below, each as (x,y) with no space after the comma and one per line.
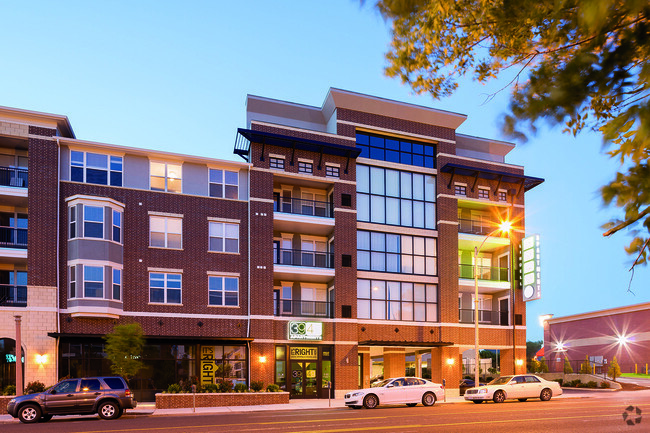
(339,248)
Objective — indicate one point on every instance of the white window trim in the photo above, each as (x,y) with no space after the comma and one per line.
(85,164)
(180,304)
(166,177)
(166,233)
(223,169)
(223,299)
(224,237)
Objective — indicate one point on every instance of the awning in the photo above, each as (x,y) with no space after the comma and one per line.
(405,343)
(528,182)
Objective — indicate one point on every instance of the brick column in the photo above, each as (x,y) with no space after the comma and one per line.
(394,362)
(366,366)
(509,359)
(447,364)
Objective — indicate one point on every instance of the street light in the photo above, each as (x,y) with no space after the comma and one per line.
(504,227)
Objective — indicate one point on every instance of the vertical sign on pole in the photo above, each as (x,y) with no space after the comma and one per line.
(530,268)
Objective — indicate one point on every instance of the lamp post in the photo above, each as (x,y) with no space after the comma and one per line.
(504,227)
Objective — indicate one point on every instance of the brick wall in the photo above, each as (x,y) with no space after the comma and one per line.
(177,401)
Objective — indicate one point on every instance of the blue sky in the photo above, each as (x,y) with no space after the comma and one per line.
(174,76)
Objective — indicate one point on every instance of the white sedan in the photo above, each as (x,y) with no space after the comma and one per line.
(520,386)
(398,390)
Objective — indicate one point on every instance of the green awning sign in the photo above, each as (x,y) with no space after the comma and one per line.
(530,268)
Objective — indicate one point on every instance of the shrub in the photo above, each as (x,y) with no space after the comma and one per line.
(576,382)
(273,388)
(225,385)
(210,387)
(604,384)
(591,384)
(534,366)
(614,370)
(567,366)
(543,368)
(559,381)
(585,367)
(34,387)
(241,387)
(257,385)
(174,388)
(10,390)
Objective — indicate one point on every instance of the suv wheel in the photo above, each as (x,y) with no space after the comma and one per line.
(109,410)
(29,413)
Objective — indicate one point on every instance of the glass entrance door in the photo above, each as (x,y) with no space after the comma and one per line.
(304,381)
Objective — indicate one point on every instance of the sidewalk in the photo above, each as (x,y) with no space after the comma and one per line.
(149,408)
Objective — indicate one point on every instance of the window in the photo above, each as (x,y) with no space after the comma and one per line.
(93,281)
(166,176)
(73,222)
(117,284)
(484,193)
(223,291)
(398,150)
(394,300)
(460,189)
(224,237)
(164,288)
(117,226)
(73,281)
(224,183)
(165,232)
(93,222)
(305,167)
(388,252)
(332,171)
(386,196)
(95,168)
(276,163)
(502,196)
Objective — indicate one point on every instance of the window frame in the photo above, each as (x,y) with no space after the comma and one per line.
(386,302)
(332,171)
(223,236)
(460,190)
(117,226)
(86,281)
(276,163)
(166,219)
(394,149)
(86,221)
(483,193)
(166,288)
(223,290)
(224,183)
(305,167)
(165,176)
(114,166)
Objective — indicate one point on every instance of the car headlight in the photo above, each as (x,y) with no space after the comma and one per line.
(13,400)
(482,391)
(356,394)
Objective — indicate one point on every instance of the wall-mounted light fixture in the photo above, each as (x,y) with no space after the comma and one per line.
(450,361)
(262,359)
(41,359)
(519,362)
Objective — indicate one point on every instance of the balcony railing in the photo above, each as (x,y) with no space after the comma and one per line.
(484,273)
(287,307)
(11,237)
(484,316)
(10,176)
(13,296)
(300,206)
(314,259)
(475,227)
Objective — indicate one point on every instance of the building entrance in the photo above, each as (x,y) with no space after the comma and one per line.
(304,381)
(308,372)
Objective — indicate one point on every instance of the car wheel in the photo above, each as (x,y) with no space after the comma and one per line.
(428,399)
(109,410)
(499,397)
(546,394)
(522,399)
(478,401)
(411,404)
(29,413)
(45,418)
(371,401)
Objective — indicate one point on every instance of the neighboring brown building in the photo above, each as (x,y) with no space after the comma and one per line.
(339,250)
(622,332)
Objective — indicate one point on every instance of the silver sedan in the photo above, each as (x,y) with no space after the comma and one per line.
(520,386)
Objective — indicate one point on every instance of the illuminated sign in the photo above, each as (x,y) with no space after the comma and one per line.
(12,358)
(530,268)
(305,331)
(303,353)
(208,365)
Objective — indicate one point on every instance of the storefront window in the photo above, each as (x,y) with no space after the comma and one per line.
(281,367)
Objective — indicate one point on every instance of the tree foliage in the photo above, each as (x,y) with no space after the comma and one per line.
(567,366)
(582,63)
(532,347)
(124,349)
(614,370)
(585,367)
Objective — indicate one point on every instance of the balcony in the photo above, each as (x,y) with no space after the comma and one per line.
(486,317)
(476,227)
(313,259)
(11,237)
(315,217)
(13,177)
(13,296)
(287,307)
(485,273)
(299,206)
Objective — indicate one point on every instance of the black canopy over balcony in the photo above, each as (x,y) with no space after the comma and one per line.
(527,182)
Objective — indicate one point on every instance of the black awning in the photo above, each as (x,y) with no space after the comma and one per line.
(405,343)
(528,182)
(243,149)
(155,337)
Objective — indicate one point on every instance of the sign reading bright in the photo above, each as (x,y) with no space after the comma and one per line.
(530,268)
(300,353)
(305,331)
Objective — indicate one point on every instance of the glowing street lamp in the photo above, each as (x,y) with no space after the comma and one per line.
(504,227)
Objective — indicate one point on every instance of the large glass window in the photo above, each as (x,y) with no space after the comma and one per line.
(166,176)
(224,237)
(395,300)
(117,284)
(386,196)
(224,183)
(389,252)
(397,150)
(223,291)
(117,226)
(93,222)
(93,281)
(165,232)
(95,168)
(165,288)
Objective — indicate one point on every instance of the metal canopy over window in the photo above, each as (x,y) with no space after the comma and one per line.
(527,182)
(405,344)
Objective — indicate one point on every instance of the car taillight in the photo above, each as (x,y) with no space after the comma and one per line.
(127,393)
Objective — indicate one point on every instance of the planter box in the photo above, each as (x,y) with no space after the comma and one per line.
(178,401)
(4,401)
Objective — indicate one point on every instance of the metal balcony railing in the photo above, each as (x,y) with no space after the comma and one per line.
(13,296)
(287,307)
(484,273)
(484,316)
(314,259)
(300,206)
(11,237)
(475,227)
(10,176)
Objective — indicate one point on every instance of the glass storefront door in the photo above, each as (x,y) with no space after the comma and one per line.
(304,381)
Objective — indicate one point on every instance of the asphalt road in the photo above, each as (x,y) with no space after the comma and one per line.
(598,413)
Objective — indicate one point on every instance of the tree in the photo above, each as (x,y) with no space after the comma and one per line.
(584,63)
(585,367)
(614,370)
(124,348)
(532,347)
(567,366)
(543,368)
(534,365)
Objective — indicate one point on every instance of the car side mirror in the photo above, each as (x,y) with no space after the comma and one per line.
(53,391)
(390,385)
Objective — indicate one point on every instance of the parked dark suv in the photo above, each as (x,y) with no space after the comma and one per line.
(106,396)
